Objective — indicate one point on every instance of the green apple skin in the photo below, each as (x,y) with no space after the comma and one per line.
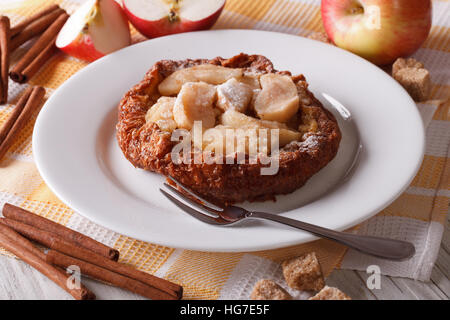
(377,30)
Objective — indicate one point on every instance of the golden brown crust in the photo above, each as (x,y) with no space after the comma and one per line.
(149,148)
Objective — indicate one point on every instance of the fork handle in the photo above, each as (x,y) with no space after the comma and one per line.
(379,247)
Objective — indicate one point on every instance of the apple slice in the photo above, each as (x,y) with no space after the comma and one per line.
(97,28)
(156,18)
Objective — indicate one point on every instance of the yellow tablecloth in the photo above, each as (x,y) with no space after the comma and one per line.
(213,275)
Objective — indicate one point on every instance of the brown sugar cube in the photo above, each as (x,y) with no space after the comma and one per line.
(330,293)
(412,75)
(402,63)
(320,36)
(269,290)
(415,81)
(303,273)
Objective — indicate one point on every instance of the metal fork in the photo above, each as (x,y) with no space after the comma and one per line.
(224,216)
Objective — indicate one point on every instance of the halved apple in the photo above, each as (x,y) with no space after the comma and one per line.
(97,28)
(156,18)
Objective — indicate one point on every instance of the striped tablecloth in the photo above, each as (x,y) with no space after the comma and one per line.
(417,215)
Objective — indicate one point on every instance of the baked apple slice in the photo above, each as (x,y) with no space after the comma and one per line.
(233,95)
(237,119)
(208,73)
(278,99)
(225,140)
(195,103)
(234,119)
(161,113)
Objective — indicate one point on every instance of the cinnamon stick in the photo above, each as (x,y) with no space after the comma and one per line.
(4,58)
(27,217)
(35,28)
(44,40)
(174,290)
(12,233)
(15,243)
(32,104)
(39,61)
(91,270)
(54,242)
(23,24)
(47,239)
(14,114)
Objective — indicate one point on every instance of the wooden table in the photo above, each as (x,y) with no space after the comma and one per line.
(438,288)
(20,281)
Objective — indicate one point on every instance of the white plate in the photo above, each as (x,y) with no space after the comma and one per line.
(77,155)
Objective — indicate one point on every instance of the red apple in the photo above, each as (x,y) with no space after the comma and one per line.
(156,18)
(378,30)
(97,28)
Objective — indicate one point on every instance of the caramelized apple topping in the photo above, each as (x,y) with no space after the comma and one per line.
(251,80)
(223,100)
(233,95)
(161,113)
(278,99)
(225,140)
(208,73)
(195,103)
(237,120)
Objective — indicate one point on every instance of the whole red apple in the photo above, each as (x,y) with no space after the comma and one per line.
(378,30)
(156,18)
